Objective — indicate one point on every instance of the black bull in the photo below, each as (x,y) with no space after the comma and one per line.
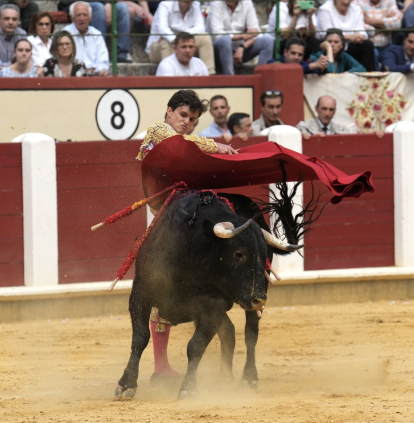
(190,274)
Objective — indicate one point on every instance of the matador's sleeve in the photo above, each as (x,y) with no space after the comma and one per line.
(160,131)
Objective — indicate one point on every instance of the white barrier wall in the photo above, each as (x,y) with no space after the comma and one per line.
(404,194)
(39,209)
(291,138)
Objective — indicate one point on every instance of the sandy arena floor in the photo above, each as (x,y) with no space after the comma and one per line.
(332,363)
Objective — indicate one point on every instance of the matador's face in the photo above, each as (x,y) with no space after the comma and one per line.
(182,119)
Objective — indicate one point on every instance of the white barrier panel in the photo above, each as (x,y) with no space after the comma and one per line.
(404,194)
(39,209)
(289,137)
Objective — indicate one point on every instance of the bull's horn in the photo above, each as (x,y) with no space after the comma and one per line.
(227,229)
(274,242)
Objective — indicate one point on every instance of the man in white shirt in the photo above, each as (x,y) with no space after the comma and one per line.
(236,34)
(182,62)
(90,44)
(173,17)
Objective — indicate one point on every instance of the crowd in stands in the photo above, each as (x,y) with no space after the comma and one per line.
(186,39)
(241,126)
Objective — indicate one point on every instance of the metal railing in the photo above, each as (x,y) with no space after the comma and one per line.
(114,32)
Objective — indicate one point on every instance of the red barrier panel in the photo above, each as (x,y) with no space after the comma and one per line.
(11,215)
(94,180)
(356,232)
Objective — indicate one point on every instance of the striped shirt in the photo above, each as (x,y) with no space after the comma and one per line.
(382,11)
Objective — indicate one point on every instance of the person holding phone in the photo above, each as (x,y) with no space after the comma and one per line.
(296,19)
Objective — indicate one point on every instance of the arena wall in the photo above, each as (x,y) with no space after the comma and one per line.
(96,179)
(81,109)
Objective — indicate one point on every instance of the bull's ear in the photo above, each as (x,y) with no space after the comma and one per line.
(208,228)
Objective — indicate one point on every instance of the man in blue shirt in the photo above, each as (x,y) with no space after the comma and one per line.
(294,53)
(219,109)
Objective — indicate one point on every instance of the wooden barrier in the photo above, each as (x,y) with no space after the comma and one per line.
(11,215)
(95,179)
(356,232)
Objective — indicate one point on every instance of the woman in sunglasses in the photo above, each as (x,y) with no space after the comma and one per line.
(41,27)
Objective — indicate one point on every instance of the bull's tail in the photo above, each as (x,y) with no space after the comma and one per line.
(287,225)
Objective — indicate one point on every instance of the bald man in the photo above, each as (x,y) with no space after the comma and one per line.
(322,125)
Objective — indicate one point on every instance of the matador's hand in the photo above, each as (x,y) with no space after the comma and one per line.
(225,149)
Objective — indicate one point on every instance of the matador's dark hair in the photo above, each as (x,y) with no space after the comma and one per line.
(188,98)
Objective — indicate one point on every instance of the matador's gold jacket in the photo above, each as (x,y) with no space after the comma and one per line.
(160,131)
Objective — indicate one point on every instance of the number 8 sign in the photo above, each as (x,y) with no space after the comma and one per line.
(117,115)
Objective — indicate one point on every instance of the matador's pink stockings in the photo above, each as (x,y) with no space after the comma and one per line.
(160,343)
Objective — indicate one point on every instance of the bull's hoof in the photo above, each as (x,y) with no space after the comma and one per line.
(252,384)
(122,392)
(184,394)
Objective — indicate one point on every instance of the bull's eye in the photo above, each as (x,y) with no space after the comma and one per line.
(238,254)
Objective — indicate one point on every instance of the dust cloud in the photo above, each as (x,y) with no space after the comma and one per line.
(340,363)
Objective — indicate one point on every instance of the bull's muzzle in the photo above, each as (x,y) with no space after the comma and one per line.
(258,304)
(274,242)
(227,229)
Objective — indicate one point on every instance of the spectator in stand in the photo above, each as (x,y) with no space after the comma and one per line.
(27,10)
(101,13)
(401,58)
(236,34)
(348,17)
(294,53)
(322,125)
(64,62)
(91,50)
(9,22)
(177,16)
(291,18)
(22,65)
(140,16)
(240,125)
(272,102)
(380,14)
(408,11)
(338,60)
(182,62)
(42,25)
(219,109)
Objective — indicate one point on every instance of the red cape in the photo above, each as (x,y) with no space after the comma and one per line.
(175,160)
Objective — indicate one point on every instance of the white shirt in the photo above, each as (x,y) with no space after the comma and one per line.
(170,66)
(91,50)
(40,52)
(169,21)
(220,20)
(285,19)
(329,17)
